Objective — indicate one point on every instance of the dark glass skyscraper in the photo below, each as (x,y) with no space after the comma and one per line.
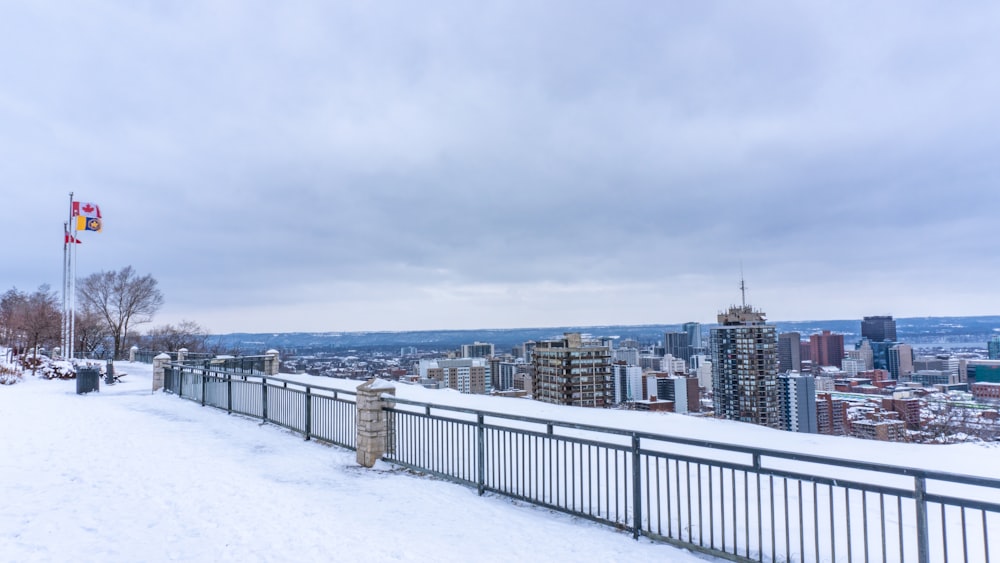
(879,329)
(677,345)
(789,351)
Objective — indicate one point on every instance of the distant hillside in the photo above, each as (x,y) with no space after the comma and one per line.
(918,331)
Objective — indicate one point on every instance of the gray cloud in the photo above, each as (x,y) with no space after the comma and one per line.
(339,166)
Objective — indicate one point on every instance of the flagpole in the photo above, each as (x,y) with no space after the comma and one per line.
(71,273)
(67,284)
(62,337)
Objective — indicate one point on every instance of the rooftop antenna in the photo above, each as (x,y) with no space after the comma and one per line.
(743,286)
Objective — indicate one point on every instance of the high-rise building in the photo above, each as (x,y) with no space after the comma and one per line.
(677,345)
(789,352)
(628,355)
(693,331)
(993,347)
(627,383)
(570,371)
(477,350)
(744,367)
(879,328)
(827,348)
(899,359)
(798,402)
(863,350)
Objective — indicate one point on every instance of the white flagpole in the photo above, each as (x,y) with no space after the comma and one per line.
(62,337)
(72,287)
(67,285)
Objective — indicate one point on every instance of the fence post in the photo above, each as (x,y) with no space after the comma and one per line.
(263,398)
(480,454)
(229,394)
(182,355)
(204,386)
(308,421)
(131,353)
(920,498)
(373,421)
(271,363)
(159,363)
(636,488)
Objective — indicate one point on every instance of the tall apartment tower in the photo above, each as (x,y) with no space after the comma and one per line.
(677,345)
(570,371)
(993,347)
(626,383)
(744,367)
(798,403)
(827,349)
(789,352)
(879,329)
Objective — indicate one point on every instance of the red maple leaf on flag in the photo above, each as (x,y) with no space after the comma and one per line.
(88,209)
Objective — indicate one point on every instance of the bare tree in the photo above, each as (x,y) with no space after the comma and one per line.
(123,299)
(12,310)
(187,334)
(93,337)
(42,319)
(30,321)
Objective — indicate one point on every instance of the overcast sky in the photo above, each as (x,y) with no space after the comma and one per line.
(328,166)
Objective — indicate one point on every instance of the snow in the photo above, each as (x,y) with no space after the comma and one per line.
(128,475)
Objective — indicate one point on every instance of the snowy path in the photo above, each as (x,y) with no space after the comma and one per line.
(124,475)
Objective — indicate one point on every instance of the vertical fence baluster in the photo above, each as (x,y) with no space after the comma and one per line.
(920,499)
(308,413)
(636,488)
(480,455)
(263,398)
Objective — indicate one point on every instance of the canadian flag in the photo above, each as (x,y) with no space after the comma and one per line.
(83,209)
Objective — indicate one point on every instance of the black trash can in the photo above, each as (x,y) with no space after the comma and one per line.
(88,379)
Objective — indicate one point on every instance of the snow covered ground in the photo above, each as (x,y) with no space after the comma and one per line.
(126,475)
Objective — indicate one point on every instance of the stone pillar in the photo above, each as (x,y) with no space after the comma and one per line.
(271,364)
(131,353)
(182,355)
(159,362)
(373,422)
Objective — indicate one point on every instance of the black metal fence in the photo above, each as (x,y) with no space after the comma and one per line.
(736,502)
(741,503)
(146,356)
(314,411)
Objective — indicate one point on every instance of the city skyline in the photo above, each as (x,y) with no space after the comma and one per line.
(336,167)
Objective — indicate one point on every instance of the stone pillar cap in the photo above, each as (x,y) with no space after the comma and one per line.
(271,352)
(163,356)
(376,384)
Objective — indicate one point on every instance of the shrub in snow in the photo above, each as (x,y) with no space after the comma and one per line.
(45,367)
(9,375)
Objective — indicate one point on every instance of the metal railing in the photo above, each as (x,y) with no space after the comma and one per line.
(736,502)
(146,356)
(323,413)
